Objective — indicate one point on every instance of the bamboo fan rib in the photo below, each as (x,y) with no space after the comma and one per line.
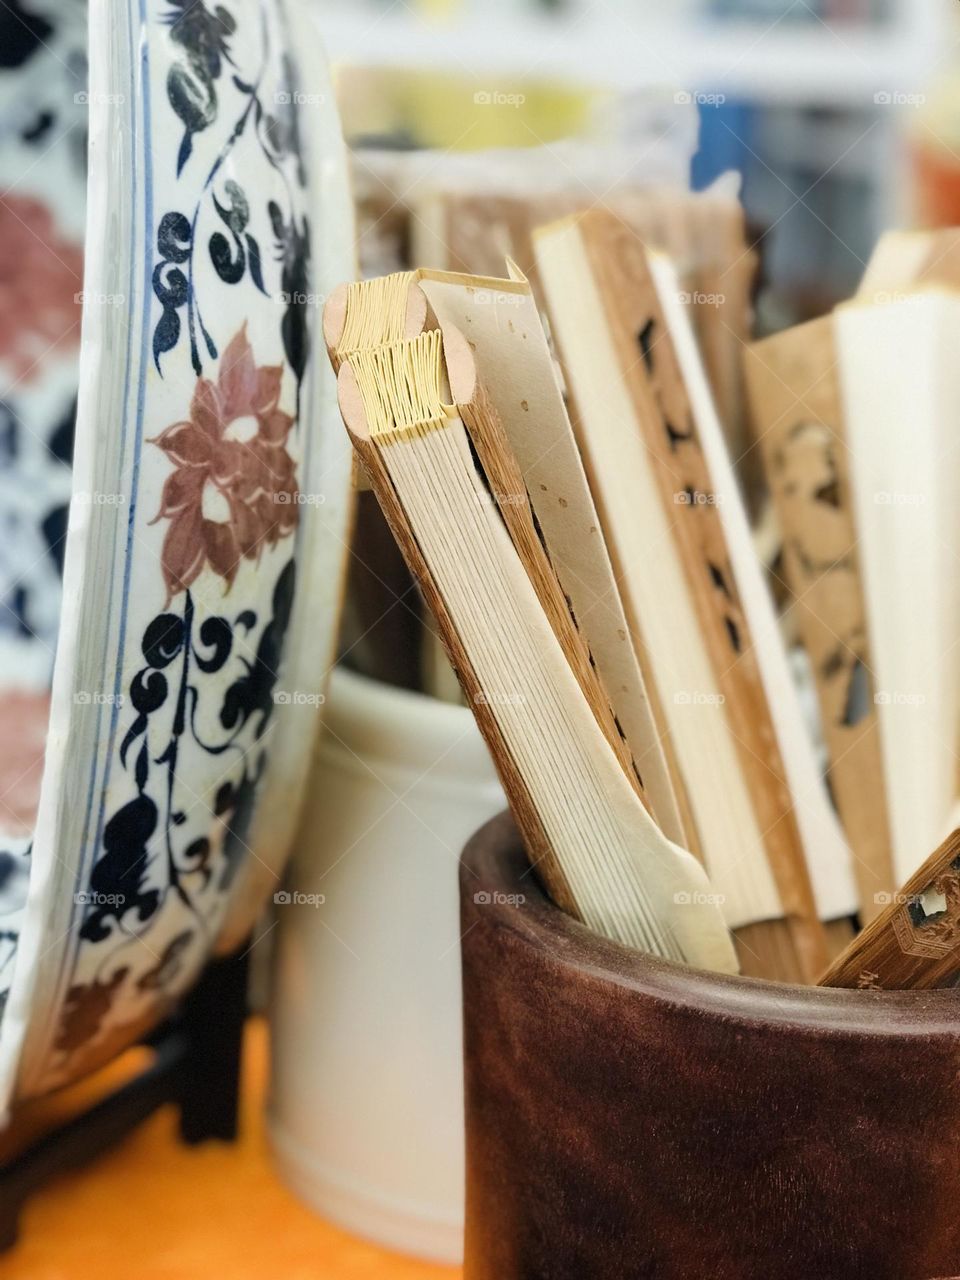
(626,880)
(513,362)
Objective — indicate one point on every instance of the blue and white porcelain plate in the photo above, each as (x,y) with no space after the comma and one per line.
(200,530)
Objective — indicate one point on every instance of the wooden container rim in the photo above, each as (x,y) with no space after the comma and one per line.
(495,863)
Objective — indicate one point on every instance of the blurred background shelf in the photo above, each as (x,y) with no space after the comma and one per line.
(842,117)
(617,46)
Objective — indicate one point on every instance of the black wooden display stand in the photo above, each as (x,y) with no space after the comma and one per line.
(196,1065)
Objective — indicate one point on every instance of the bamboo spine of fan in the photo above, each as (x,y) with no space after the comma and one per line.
(598,851)
(351,320)
(516,380)
(509,494)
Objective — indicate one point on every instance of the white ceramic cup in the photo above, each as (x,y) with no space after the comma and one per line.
(366,1108)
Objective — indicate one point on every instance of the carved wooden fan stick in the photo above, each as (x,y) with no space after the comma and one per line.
(798,419)
(915,941)
(618,354)
(645,349)
(824,844)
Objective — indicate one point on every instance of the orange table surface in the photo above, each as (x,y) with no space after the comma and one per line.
(153,1209)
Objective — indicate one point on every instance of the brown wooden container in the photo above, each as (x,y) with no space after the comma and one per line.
(628,1118)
